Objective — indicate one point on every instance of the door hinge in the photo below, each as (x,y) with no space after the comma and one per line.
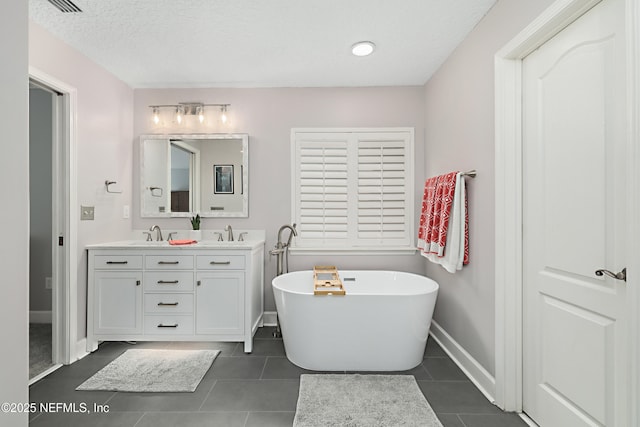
(60,241)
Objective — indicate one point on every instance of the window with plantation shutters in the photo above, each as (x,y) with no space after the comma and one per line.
(353,189)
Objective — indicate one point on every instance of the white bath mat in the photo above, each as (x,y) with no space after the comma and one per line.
(362,401)
(149,370)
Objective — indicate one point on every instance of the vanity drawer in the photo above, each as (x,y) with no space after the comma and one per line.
(172,303)
(168,262)
(118,262)
(220,262)
(167,324)
(171,281)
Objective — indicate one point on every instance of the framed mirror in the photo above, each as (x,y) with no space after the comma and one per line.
(194,173)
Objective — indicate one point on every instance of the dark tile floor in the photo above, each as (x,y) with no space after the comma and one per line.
(260,389)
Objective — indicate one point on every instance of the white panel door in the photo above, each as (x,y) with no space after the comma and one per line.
(574,224)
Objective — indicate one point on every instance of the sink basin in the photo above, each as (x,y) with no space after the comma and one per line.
(200,244)
(213,243)
(209,242)
(148,243)
(223,243)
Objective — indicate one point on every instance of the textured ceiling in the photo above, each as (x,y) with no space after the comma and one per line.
(264,43)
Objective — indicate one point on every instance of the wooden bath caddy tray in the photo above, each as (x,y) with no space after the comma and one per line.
(326,281)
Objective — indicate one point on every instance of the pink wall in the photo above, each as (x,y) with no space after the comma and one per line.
(104,135)
(268,115)
(460,135)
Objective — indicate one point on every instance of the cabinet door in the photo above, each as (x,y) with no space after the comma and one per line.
(117,302)
(220,303)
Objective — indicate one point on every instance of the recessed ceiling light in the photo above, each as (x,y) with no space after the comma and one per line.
(363,48)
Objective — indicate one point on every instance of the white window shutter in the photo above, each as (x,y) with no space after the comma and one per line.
(383,200)
(353,189)
(321,191)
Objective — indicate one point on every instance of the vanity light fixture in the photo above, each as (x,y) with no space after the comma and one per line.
(183,109)
(363,48)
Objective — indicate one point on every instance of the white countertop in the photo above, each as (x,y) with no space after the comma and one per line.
(205,244)
(252,239)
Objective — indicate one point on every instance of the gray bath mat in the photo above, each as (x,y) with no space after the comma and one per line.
(362,401)
(153,371)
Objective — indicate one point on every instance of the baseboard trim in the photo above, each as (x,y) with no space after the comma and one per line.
(81,350)
(478,375)
(40,316)
(40,376)
(269,318)
(524,417)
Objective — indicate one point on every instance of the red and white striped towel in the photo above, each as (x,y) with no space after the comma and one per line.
(443,233)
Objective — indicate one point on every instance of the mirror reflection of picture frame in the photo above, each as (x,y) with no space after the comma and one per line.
(223,179)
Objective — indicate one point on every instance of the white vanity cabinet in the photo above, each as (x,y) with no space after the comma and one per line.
(117,285)
(117,307)
(167,293)
(220,301)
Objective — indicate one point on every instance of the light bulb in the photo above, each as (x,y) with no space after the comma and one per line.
(179,115)
(200,112)
(223,117)
(156,115)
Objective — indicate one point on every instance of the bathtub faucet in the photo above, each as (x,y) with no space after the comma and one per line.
(281,252)
(291,234)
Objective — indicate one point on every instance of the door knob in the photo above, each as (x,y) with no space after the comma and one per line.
(621,275)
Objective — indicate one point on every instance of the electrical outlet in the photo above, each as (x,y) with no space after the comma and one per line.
(48,283)
(125,211)
(86,213)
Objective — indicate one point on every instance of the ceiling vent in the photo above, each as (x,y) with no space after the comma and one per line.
(65,6)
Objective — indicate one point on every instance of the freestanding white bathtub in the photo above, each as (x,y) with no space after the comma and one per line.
(381,324)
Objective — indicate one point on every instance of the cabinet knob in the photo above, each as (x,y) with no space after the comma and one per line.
(137,282)
(198,283)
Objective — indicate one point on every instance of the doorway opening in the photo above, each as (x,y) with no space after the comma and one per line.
(42,110)
(53,287)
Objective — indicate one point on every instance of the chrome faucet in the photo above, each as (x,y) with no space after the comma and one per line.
(156,228)
(229,231)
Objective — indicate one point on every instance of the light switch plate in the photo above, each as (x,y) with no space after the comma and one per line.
(86,213)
